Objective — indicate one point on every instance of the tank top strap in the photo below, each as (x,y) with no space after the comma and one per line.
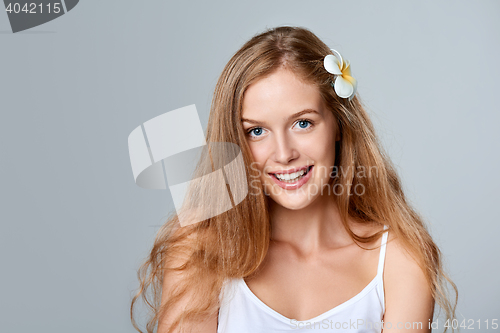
(381,258)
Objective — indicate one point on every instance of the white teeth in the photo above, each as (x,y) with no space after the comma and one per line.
(290,176)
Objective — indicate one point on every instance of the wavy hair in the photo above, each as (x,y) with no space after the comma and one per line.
(234,244)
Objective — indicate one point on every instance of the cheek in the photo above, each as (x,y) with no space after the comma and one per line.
(258,152)
(259,155)
(320,147)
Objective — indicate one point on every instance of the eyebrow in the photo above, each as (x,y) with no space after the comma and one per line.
(295,115)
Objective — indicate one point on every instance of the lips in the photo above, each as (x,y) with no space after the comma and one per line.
(295,185)
(290,170)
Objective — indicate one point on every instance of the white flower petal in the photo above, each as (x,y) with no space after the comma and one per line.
(347,68)
(343,88)
(332,64)
(351,80)
(355,87)
(353,93)
(339,57)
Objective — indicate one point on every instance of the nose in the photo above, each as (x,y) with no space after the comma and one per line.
(285,150)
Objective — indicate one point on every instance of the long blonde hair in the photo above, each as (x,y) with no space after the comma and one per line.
(233,244)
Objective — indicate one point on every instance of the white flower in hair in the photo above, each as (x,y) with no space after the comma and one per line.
(345,85)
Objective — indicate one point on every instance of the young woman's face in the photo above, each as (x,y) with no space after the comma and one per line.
(292,138)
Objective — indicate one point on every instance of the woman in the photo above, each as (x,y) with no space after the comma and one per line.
(325,236)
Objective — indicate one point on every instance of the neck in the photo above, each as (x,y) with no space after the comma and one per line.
(312,229)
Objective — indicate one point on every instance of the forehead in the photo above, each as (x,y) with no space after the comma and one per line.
(281,92)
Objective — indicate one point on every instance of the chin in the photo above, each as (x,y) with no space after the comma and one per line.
(292,203)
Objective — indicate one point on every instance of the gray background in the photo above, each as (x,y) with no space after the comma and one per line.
(75,226)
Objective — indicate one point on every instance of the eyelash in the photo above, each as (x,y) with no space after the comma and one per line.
(298,121)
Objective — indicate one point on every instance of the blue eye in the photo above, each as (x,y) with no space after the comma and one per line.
(256,130)
(303,123)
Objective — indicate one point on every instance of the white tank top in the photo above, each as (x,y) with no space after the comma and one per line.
(243,312)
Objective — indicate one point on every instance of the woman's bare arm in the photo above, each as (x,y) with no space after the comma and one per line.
(408,298)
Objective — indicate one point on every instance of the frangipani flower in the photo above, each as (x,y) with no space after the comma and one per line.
(345,85)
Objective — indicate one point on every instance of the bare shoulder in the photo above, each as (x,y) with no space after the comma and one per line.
(175,280)
(408,296)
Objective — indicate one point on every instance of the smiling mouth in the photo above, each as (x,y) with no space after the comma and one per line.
(291,178)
